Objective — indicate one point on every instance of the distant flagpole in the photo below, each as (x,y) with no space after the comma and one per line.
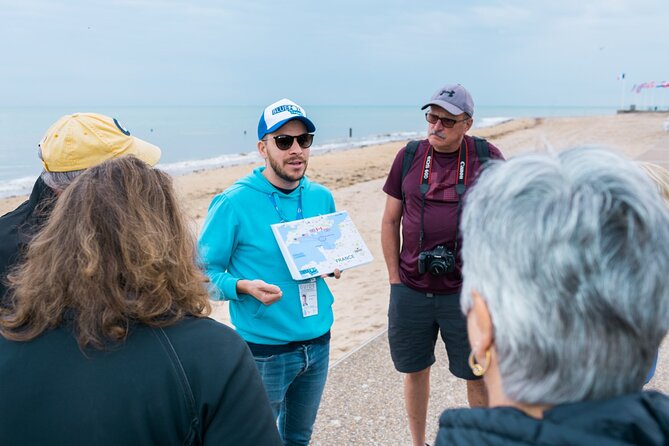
(651,87)
(621,77)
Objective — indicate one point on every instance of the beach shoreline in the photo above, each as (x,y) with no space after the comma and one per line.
(356,177)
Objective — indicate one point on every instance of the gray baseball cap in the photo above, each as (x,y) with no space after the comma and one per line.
(453,98)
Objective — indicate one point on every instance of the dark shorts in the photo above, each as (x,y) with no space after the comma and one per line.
(414,320)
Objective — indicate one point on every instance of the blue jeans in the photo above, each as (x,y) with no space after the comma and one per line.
(294,382)
(652,370)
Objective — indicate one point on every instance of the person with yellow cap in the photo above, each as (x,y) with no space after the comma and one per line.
(71,145)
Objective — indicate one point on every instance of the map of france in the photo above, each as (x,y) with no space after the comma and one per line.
(318,245)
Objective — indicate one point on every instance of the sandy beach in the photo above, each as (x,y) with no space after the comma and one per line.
(356,176)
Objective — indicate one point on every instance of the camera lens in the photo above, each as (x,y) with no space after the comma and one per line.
(438,267)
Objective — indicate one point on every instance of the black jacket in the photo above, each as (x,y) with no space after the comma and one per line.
(19,226)
(635,419)
(135,394)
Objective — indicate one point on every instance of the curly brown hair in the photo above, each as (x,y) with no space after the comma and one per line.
(116,250)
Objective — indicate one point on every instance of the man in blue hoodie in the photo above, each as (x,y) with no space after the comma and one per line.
(286,323)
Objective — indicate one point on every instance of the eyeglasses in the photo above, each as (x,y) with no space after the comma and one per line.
(446,122)
(285,142)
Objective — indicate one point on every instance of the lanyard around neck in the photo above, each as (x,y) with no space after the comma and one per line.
(460,187)
(283,218)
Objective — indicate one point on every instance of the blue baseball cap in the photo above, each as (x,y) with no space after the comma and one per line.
(280,112)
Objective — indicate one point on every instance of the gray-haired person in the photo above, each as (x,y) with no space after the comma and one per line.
(566,294)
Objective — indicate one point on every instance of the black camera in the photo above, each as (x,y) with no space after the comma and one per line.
(437,262)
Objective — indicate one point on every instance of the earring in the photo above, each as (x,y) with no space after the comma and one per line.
(478,369)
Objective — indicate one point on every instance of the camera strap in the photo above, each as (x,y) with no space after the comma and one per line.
(460,187)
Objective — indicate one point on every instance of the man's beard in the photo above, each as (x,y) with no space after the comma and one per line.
(282,173)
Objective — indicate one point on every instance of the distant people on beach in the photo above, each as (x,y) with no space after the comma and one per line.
(425,190)
(660,177)
(566,294)
(71,145)
(105,341)
(285,322)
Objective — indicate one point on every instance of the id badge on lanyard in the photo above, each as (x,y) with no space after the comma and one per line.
(308,297)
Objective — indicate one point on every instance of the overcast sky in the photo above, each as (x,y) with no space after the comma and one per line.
(359,52)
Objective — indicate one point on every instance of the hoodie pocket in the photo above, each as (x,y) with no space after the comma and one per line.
(260,311)
(288,307)
(289,290)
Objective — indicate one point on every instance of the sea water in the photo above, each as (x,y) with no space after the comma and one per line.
(196,138)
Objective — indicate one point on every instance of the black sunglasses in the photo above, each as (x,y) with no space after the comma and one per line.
(446,122)
(285,142)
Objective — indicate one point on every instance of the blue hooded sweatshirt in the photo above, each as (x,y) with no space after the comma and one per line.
(237,243)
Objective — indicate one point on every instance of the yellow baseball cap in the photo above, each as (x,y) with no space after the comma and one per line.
(83,140)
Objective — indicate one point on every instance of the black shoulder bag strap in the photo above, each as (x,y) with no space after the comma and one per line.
(482,150)
(409,154)
(194,437)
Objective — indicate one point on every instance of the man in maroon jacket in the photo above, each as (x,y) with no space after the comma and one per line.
(425,200)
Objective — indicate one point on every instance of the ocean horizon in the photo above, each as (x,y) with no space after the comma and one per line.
(206,137)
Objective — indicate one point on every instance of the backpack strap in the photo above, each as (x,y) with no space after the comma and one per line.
(194,436)
(409,154)
(482,150)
